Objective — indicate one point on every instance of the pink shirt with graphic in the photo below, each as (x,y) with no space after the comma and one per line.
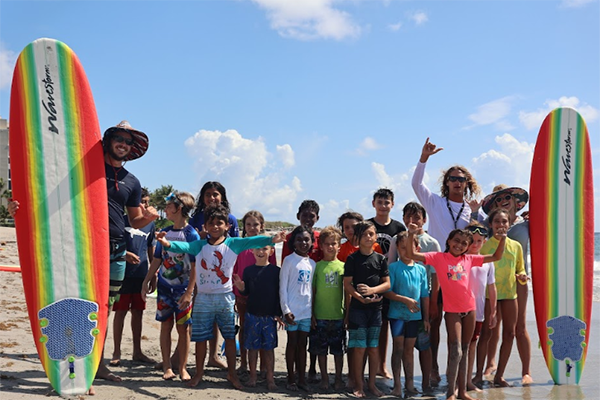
(453,275)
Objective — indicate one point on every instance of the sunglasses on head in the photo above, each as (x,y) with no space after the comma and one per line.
(172,197)
(121,139)
(478,229)
(506,197)
(460,179)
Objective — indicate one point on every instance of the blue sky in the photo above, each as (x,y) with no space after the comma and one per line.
(288,100)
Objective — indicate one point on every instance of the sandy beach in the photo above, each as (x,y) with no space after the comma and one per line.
(22,375)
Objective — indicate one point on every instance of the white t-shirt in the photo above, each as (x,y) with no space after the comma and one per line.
(479,280)
(295,286)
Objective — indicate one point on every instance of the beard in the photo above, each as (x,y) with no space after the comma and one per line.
(113,155)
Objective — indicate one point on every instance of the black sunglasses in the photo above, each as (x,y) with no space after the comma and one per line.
(460,179)
(506,197)
(121,139)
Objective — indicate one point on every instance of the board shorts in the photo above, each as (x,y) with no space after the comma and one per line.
(117,270)
(423,342)
(210,308)
(260,332)
(302,325)
(364,326)
(166,305)
(130,296)
(408,329)
(477,331)
(329,337)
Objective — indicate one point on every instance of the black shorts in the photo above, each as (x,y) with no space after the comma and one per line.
(329,337)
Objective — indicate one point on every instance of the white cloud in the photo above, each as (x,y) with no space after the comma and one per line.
(510,164)
(8,58)
(309,19)
(400,184)
(286,154)
(368,144)
(534,119)
(494,113)
(395,27)
(419,17)
(575,3)
(252,175)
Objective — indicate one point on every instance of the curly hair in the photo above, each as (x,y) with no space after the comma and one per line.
(300,229)
(472,189)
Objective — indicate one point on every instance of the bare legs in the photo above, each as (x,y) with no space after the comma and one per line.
(507,312)
(460,330)
(522,336)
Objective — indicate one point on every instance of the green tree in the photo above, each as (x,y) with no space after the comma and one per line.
(157,198)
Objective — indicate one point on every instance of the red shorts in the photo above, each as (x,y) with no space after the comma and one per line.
(131,301)
(477,331)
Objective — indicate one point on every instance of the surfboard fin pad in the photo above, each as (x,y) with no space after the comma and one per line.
(567,335)
(69,328)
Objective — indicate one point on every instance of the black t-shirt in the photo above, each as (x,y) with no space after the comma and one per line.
(368,270)
(124,190)
(262,289)
(385,233)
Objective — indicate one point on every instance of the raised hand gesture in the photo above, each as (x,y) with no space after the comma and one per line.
(429,149)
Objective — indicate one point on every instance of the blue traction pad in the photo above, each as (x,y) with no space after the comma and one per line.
(566,337)
(68,327)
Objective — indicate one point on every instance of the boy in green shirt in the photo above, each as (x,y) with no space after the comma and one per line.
(328,308)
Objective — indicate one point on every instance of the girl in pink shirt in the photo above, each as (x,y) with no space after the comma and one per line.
(452,268)
(253,224)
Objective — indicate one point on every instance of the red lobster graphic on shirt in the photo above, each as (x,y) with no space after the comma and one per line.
(217,268)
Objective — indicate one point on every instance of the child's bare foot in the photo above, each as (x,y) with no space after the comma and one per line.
(500,382)
(304,386)
(292,387)
(324,385)
(339,384)
(168,374)
(397,392)
(350,385)
(472,386)
(251,382)
(185,376)
(216,363)
(234,381)
(104,373)
(91,391)
(376,392)
(312,377)
(465,396)
(384,373)
(434,378)
(491,370)
(526,380)
(196,379)
(411,391)
(359,394)
(271,385)
(427,390)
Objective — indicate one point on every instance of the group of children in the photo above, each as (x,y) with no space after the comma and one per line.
(360,277)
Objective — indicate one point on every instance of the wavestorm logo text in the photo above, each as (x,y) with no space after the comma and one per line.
(50,107)
(566,160)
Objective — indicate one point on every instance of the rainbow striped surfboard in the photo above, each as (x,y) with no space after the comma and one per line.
(57,169)
(562,242)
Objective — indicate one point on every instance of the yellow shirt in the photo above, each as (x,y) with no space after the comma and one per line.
(511,263)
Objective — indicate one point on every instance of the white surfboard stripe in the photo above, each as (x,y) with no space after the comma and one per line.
(58,185)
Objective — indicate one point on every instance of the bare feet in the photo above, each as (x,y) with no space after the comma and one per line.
(324,385)
(471,386)
(384,373)
(271,385)
(465,396)
(168,374)
(304,386)
(434,378)
(91,391)
(251,382)
(234,381)
(339,384)
(397,392)
(312,377)
(350,385)
(104,373)
(142,358)
(526,380)
(491,370)
(115,362)
(196,379)
(359,394)
(500,382)
(410,392)
(292,387)
(216,363)
(185,376)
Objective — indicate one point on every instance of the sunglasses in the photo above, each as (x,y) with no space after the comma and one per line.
(478,229)
(121,139)
(172,197)
(506,197)
(460,179)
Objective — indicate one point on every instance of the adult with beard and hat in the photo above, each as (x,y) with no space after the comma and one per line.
(512,199)
(121,143)
(447,212)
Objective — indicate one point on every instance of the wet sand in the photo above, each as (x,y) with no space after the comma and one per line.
(22,375)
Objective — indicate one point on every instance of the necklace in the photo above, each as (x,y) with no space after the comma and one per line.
(116,171)
(455,220)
